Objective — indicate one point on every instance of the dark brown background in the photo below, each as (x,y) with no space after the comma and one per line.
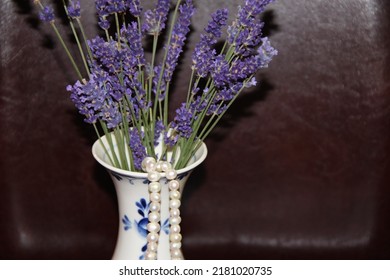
(298,170)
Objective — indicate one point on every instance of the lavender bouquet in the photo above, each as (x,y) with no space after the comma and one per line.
(126,97)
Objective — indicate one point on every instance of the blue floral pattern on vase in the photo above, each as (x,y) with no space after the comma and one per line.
(116,176)
(141,224)
(126,222)
(165,226)
(143,210)
(120,177)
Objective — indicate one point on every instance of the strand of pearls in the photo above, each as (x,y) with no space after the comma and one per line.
(154,170)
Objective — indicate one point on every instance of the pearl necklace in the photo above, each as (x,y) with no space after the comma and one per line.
(154,170)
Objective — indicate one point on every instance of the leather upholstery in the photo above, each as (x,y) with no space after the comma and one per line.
(299,169)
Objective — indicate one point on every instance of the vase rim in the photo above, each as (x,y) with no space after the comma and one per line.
(98,153)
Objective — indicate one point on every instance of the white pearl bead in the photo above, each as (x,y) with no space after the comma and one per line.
(149,255)
(175,245)
(153,227)
(152,246)
(154,216)
(152,237)
(174,185)
(154,176)
(174,212)
(150,166)
(170,174)
(175,237)
(154,206)
(165,166)
(175,229)
(174,203)
(145,161)
(174,220)
(159,166)
(155,197)
(154,187)
(176,254)
(174,194)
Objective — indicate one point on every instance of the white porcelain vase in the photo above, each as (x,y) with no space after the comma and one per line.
(133,203)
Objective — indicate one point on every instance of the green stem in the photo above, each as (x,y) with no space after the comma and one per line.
(102,144)
(85,39)
(117,28)
(110,144)
(202,137)
(155,40)
(165,119)
(189,95)
(66,50)
(80,47)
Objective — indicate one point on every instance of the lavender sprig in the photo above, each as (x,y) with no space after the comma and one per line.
(155,19)
(47,14)
(137,148)
(182,121)
(174,47)
(134,7)
(178,38)
(204,52)
(245,32)
(74,9)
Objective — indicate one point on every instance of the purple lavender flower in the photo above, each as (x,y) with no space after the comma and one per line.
(225,94)
(125,59)
(137,149)
(159,86)
(101,8)
(244,68)
(218,20)
(106,54)
(178,37)
(251,83)
(134,42)
(102,12)
(246,37)
(182,121)
(198,105)
(202,57)
(110,113)
(104,23)
(204,53)
(98,98)
(216,109)
(134,7)
(136,95)
(158,129)
(115,6)
(83,102)
(245,32)
(255,7)
(220,71)
(170,140)
(266,52)
(74,9)
(88,98)
(155,19)
(47,14)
